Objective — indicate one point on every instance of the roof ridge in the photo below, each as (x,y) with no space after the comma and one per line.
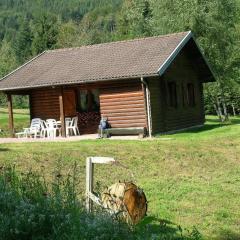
(116,42)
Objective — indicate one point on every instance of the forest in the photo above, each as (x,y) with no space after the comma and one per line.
(29,27)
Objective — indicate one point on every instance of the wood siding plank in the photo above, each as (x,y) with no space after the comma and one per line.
(123,105)
(45,103)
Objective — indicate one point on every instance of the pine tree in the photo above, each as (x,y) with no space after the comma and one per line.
(134,19)
(23,42)
(45,32)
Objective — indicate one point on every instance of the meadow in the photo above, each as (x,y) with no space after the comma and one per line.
(21,119)
(191,178)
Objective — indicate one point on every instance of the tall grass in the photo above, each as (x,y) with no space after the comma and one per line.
(32,209)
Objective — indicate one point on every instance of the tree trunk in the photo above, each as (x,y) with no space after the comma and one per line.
(224,109)
(219,109)
(233,109)
(216,109)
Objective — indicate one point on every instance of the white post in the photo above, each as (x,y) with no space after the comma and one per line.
(149,111)
(148,106)
(89,183)
(89,179)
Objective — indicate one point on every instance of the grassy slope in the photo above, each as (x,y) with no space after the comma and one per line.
(192,179)
(21,119)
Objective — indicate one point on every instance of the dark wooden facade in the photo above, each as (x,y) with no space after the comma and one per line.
(167,118)
(122,103)
(44,103)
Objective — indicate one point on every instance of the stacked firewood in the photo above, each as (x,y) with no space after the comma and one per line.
(126,201)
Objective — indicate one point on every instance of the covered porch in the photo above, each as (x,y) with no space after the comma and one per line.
(123,103)
(60,103)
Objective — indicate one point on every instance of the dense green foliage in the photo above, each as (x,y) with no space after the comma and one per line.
(32,209)
(29,27)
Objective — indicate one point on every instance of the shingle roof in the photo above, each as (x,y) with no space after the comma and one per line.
(107,61)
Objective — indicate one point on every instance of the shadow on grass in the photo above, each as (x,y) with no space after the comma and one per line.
(235,121)
(4,149)
(217,121)
(210,125)
(205,128)
(167,230)
(232,121)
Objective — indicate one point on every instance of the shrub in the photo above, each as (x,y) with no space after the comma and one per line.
(32,209)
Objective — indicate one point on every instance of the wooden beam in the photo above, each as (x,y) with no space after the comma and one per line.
(30,106)
(62,113)
(10,115)
(145,105)
(148,106)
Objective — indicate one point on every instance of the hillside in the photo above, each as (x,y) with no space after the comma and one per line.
(190,178)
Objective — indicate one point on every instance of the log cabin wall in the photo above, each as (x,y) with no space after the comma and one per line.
(44,103)
(158,105)
(123,104)
(168,118)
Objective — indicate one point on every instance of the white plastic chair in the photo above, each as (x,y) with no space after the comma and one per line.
(44,128)
(71,126)
(68,121)
(51,128)
(34,129)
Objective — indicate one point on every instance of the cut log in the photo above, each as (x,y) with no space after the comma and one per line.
(127,201)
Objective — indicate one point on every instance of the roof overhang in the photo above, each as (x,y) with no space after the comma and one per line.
(189,36)
(89,81)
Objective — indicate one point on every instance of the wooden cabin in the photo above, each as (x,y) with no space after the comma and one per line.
(154,83)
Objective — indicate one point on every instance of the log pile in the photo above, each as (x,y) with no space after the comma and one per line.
(127,201)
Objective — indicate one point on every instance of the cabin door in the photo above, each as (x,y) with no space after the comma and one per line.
(88,110)
(70,103)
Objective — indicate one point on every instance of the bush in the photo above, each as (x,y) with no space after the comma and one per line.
(32,209)
(29,210)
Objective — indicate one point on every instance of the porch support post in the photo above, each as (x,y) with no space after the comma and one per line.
(148,106)
(10,115)
(62,113)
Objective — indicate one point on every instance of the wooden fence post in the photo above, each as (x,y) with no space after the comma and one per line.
(89,183)
(90,161)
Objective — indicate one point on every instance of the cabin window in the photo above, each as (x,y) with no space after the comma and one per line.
(172,93)
(190,95)
(88,100)
(82,101)
(95,106)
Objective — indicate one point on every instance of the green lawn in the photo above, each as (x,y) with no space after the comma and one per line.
(190,178)
(21,119)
